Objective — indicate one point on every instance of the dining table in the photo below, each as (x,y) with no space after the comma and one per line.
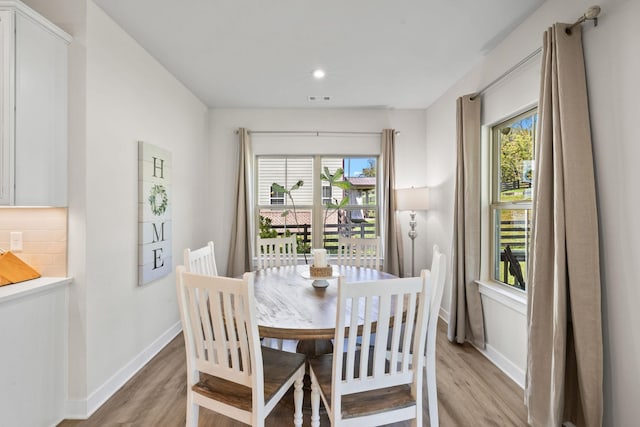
(289,306)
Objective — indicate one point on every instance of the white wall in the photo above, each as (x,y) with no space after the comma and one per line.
(410,155)
(130,97)
(118,96)
(612,69)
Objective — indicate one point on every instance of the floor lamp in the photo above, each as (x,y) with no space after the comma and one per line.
(412,200)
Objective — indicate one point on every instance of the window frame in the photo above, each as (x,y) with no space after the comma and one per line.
(317,206)
(495,205)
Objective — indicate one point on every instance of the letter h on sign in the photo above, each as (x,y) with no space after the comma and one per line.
(158,164)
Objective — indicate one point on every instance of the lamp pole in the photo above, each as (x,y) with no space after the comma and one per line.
(412,200)
(412,235)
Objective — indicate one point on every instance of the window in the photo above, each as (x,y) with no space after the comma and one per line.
(326,194)
(357,215)
(288,215)
(318,209)
(511,198)
(277,197)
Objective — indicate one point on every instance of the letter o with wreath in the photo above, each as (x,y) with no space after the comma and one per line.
(158,199)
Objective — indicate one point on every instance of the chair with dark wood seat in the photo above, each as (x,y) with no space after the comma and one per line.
(436,277)
(201,261)
(277,251)
(359,252)
(367,391)
(228,371)
(436,285)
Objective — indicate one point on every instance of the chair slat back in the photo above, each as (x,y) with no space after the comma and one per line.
(277,252)
(201,261)
(438,274)
(220,326)
(358,252)
(368,369)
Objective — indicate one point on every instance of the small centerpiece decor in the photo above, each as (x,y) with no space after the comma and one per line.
(320,268)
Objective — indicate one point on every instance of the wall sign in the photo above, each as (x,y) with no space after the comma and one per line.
(154,213)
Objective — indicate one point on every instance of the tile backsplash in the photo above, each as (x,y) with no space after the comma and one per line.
(44,237)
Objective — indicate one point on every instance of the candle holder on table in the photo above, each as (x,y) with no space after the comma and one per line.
(320,271)
(320,276)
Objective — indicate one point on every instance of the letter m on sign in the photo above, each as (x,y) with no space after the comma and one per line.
(158,232)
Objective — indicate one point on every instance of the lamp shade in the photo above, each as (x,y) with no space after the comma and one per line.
(412,199)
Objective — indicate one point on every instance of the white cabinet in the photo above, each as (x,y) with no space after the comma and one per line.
(33,108)
(33,315)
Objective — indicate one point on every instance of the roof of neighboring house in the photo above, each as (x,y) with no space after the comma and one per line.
(363,181)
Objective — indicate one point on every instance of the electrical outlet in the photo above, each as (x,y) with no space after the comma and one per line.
(15,241)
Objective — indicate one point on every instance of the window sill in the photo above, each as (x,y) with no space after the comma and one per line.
(511,298)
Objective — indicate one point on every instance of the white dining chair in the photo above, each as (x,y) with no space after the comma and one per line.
(277,252)
(201,261)
(228,372)
(362,388)
(359,252)
(436,276)
(436,285)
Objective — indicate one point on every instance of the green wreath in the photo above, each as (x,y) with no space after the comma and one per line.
(158,194)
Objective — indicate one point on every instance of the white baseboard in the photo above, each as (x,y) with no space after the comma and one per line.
(444,315)
(76,409)
(495,357)
(83,408)
(504,364)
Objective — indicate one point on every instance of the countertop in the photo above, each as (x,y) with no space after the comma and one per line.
(30,287)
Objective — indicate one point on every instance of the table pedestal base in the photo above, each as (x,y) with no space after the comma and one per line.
(313,348)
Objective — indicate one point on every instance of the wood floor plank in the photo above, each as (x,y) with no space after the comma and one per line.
(471,392)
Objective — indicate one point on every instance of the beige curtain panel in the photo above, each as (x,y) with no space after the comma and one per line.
(564,372)
(465,313)
(240,248)
(392,236)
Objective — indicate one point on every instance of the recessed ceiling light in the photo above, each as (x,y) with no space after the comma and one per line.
(315,98)
(318,74)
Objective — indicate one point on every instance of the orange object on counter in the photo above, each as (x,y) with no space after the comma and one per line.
(14,270)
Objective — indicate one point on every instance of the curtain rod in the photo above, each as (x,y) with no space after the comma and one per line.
(590,15)
(315,132)
(495,81)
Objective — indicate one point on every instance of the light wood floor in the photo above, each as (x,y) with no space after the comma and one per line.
(471,392)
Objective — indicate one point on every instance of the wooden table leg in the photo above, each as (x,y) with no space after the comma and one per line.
(310,348)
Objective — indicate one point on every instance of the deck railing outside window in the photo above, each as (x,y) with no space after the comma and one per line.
(362,230)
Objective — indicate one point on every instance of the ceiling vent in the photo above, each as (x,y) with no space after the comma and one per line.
(314,98)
